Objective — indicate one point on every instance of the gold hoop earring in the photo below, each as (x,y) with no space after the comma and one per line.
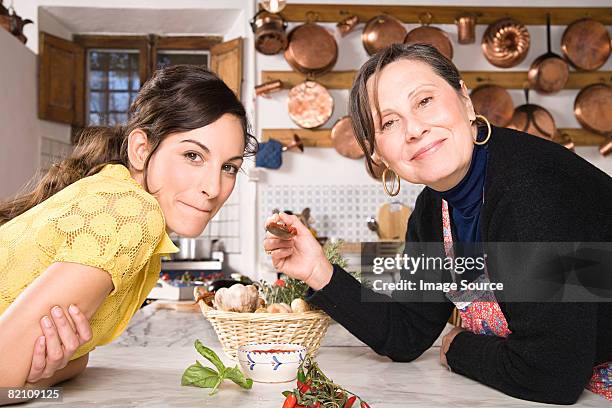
(384,180)
(476,142)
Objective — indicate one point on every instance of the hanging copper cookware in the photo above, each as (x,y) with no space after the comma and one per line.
(433,36)
(493,102)
(586,44)
(606,147)
(505,43)
(593,108)
(310,105)
(312,50)
(347,25)
(344,140)
(269,30)
(466,29)
(533,119)
(382,31)
(549,72)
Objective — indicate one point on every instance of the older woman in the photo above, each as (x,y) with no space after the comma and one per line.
(484,184)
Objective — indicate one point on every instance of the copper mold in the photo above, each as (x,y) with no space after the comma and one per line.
(505,43)
(466,29)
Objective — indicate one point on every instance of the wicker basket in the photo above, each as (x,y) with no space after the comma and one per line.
(235,329)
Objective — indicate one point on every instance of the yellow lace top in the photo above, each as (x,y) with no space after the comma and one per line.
(107,221)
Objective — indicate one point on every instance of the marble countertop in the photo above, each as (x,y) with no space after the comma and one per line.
(143,368)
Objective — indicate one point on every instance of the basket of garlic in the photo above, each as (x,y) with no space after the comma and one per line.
(263,313)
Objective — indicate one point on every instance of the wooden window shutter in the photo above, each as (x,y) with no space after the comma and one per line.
(226,61)
(61,82)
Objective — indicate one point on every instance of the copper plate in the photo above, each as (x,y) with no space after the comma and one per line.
(593,108)
(344,140)
(310,105)
(505,43)
(382,31)
(312,49)
(586,44)
(493,102)
(549,72)
(432,36)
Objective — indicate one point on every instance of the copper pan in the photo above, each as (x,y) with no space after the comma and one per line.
(466,29)
(533,119)
(549,72)
(310,105)
(430,35)
(382,31)
(344,140)
(606,147)
(269,30)
(493,102)
(593,108)
(312,50)
(586,44)
(505,43)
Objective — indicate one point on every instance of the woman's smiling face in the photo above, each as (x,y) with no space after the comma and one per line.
(424,132)
(193,173)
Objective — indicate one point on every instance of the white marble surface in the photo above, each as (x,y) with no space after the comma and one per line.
(143,368)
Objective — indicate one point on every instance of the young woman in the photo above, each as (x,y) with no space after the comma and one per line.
(86,243)
(411,111)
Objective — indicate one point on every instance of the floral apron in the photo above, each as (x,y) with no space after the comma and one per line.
(480,313)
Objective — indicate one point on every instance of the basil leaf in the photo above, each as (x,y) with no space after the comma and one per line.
(200,376)
(210,355)
(238,377)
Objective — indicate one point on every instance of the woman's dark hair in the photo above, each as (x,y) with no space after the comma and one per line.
(176,99)
(359,100)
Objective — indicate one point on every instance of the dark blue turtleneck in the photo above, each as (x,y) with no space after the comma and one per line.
(466,198)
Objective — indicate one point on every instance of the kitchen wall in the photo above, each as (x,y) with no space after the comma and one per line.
(339,183)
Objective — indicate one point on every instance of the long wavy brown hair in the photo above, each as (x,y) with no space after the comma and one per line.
(176,99)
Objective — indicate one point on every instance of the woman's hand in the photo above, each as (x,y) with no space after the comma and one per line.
(301,256)
(62,336)
(446,343)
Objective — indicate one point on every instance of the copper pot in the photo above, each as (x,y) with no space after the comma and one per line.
(493,102)
(533,119)
(549,72)
(312,50)
(310,105)
(586,44)
(505,43)
(593,107)
(344,140)
(269,29)
(430,35)
(466,29)
(382,31)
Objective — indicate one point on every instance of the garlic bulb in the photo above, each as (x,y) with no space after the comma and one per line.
(299,305)
(279,308)
(237,298)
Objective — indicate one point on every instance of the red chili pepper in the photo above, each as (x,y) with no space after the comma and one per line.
(304,387)
(364,404)
(349,402)
(290,401)
(317,404)
(280,282)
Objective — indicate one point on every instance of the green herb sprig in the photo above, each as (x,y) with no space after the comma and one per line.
(198,375)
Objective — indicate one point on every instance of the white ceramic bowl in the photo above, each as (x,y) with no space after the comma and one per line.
(271,367)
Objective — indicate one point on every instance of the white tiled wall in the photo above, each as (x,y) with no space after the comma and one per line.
(53,151)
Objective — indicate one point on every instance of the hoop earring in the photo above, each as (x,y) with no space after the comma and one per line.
(384,180)
(476,142)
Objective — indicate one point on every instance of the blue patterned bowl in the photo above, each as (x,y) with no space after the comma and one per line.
(271,362)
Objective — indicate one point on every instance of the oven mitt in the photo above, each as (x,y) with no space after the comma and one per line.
(269,154)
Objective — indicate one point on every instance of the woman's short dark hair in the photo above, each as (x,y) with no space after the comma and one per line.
(359,100)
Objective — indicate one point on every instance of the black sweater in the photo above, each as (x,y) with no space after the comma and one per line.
(535,191)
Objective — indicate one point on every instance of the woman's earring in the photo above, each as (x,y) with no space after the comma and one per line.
(395,191)
(476,142)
